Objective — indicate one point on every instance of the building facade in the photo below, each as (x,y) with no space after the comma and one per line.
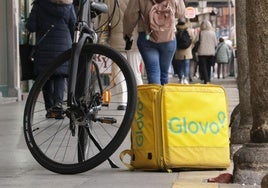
(12,33)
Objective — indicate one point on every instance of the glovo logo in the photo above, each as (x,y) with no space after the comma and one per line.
(185,126)
(140,125)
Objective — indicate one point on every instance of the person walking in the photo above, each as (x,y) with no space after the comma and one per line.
(222,57)
(53,21)
(184,56)
(157,56)
(206,50)
(112,34)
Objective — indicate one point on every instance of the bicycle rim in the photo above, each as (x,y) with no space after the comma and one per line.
(102,128)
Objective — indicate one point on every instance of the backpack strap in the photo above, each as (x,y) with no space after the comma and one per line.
(146,22)
(219,47)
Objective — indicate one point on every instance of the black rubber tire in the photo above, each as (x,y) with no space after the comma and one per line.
(35,126)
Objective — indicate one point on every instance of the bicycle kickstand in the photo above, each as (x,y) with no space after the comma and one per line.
(112,164)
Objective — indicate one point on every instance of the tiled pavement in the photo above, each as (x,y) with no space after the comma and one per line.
(19,169)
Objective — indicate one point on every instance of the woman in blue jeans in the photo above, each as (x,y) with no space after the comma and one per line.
(157,58)
(157,55)
(184,55)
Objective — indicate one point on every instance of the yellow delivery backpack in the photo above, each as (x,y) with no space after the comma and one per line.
(179,126)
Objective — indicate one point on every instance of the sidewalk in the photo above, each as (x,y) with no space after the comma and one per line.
(19,169)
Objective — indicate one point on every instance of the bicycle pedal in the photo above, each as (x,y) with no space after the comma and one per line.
(107,120)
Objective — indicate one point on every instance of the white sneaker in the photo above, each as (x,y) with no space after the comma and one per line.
(185,81)
(182,81)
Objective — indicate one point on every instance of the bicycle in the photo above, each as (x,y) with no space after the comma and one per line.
(91,129)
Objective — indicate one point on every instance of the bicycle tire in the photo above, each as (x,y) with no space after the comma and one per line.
(46,139)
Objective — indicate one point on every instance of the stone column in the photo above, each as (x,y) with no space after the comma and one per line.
(13,49)
(251,163)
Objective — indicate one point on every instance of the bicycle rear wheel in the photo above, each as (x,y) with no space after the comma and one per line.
(91,132)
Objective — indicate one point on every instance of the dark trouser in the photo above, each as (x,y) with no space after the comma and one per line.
(175,67)
(205,63)
(53,91)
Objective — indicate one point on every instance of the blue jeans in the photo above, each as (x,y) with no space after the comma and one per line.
(183,68)
(157,58)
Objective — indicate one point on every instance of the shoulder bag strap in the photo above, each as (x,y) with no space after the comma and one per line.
(43,37)
(219,48)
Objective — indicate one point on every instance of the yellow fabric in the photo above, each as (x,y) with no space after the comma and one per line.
(180,126)
(195,126)
(145,128)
